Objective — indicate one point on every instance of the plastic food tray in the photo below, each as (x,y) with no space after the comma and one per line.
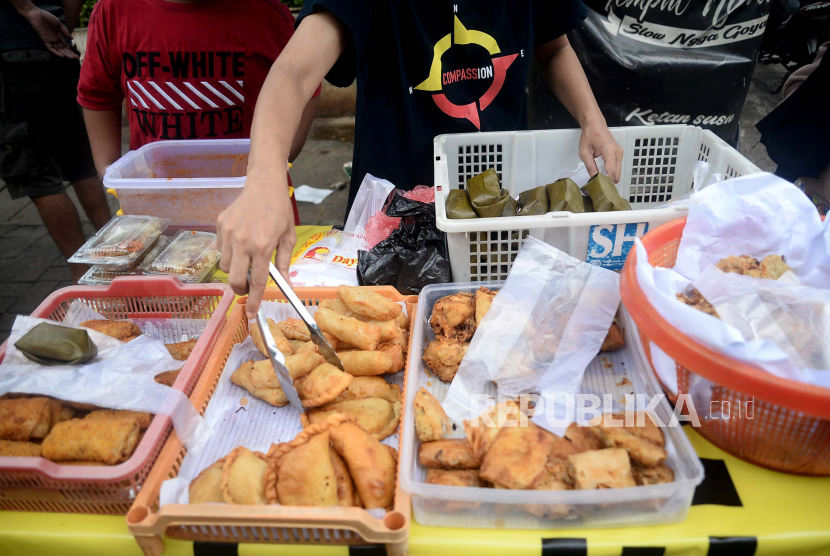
(657,167)
(438,505)
(261,524)
(98,276)
(788,428)
(37,484)
(105,251)
(191,256)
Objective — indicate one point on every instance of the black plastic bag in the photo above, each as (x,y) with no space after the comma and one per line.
(413,256)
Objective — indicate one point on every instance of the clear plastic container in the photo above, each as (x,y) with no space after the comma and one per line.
(191,256)
(119,244)
(485,508)
(98,276)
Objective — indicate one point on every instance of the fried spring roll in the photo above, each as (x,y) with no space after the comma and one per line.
(143,418)
(366,363)
(25,418)
(351,331)
(295,329)
(395,353)
(118,329)
(107,441)
(368,303)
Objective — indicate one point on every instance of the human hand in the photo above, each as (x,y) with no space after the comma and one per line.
(597,141)
(52,32)
(258,221)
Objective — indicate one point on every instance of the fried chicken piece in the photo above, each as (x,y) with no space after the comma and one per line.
(697,301)
(517,458)
(615,339)
(448,454)
(453,316)
(19,449)
(652,475)
(431,422)
(484,298)
(180,351)
(168,378)
(118,329)
(443,355)
(595,469)
(206,487)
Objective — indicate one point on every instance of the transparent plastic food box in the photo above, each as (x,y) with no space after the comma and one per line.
(191,256)
(614,373)
(121,242)
(99,276)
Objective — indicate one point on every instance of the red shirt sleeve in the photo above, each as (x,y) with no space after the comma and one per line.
(99,87)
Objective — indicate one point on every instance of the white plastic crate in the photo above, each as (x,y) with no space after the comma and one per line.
(617,373)
(657,167)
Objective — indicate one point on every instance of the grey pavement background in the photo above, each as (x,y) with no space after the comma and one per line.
(31,267)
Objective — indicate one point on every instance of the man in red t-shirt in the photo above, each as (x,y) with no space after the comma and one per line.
(187,70)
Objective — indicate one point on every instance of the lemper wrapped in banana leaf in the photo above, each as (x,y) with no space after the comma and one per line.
(486,195)
(604,194)
(458,205)
(533,201)
(50,344)
(510,207)
(564,195)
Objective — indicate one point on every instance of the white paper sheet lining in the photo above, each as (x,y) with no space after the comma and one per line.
(255,425)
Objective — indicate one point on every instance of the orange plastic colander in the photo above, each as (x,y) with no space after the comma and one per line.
(766,420)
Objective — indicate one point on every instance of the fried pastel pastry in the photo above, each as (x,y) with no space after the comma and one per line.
(206,487)
(279,338)
(454,453)
(143,418)
(366,363)
(242,377)
(168,378)
(349,330)
(484,298)
(640,449)
(180,351)
(371,464)
(118,329)
(388,328)
(15,448)
(368,303)
(394,352)
(294,329)
(25,418)
(453,316)
(322,385)
(615,339)
(346,493)
(377,416)
(582,439)
(431,421)
(517,457)
(362,387)
(595,469)
(443,356)
(299,364)
(67,413)
(107,441)
(305,475)
(482,432)
(243,477)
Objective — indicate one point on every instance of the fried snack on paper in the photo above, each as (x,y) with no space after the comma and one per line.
(180,351)
(168,378)
(67,413)
(243,477)
(377,416)
(615,339)
(371,464)
(771,268)
(402,339)
(641,450)
(394,352)
(431,422)
(482,432)
(242,377)
(608,468)
(299,364)
(517,457)
(454,316)
(455,478)
(443,356)
(106,441)
(366,363)
(346,493)
(484,298)
(696,300)
(454,453)
(126,340)
(362,387)
(337,306)
(351,331)
(403,321)
(305,475)
(368,303)
(206,487)
(322,385)
(15,448)
(774,266)
(652,475)
(294,329)
(118,329)
(25,418)
(582,438)
(279,338)
(143,418)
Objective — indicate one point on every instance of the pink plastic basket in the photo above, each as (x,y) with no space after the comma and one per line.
(37,484)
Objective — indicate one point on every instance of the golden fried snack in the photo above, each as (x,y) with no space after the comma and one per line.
(168,378)
(295,329)
(67,413)
(453,477)
(19,449)
(143,418)
(431,422)
(243,377)
(649,429)
(80,406)
(455,453)
(594,469)
(443,355)
(362,387)
(550,511)
(774,267)
(366,363)
(403,321)
(305,475)
(517,457)
(280,340)
(652,475)
(346,493)
(368,303)
(351,331)
(641,450)
(388,328)
(395,352)
(307,347)
(482,432)
(322,385)
(243,477)
(118,329)
(371,464)
(454,316)
(377,416)
(206,487)
(25,418)
(582,438)
(484,298)
(108,441)
(402,339)
(264,376)
(615,339)
(696,300)
(180,351)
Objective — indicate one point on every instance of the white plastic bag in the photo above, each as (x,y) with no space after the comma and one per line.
(370,198)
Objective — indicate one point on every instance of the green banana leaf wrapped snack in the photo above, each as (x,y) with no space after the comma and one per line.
(486,195)
(50,344)
(604,194)
(458,205)
(510,207)
(564,195)
(533,202)
(587,204)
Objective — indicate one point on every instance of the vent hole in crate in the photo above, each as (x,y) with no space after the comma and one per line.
(652,170)
(492,253)
(475,159)
(703,153)
(731,173)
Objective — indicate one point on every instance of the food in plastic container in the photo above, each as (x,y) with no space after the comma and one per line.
(604,194)
(486,195)
(100,276)
(192,256)
(564,195)
(458,205)
(533,201)
(120,243)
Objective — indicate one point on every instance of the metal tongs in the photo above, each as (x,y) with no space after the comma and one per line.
(276,356)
